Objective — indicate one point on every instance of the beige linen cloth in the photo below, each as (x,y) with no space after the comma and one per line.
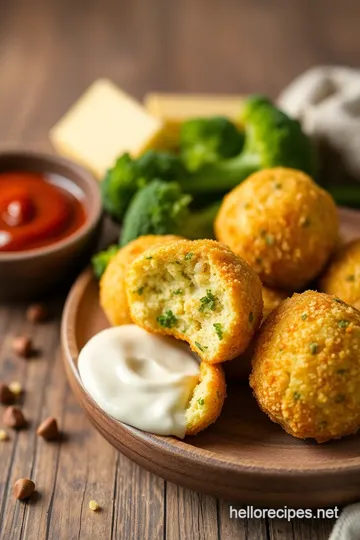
(347,526)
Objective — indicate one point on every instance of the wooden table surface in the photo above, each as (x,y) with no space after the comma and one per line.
(50,51)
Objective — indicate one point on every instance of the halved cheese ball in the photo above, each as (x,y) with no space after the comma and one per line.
(197,291)
(113,297)
(283,224)
(207,400)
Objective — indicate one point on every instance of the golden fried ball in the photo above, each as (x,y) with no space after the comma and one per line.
(342,277)
(306,367)
(282,223)
(239,368)
(113,297)
(271,298)
(207,400)
(197,291)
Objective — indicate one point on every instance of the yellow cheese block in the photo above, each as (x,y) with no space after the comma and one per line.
(175,108)
(104,123)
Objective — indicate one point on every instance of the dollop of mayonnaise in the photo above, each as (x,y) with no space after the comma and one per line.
(139,378)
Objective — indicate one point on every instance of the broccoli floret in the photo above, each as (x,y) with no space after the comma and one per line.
(161,165)
(271,139)
(208,140)
(200,223)
(163,208)
(101,260)
(128,175)
(118,186)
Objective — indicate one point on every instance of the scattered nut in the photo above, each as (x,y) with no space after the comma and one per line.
(48,429)
(16,388)
(23,488)
(93,505)
(7,397)
(22,346)
(14,418)
(37,313)
(3,435)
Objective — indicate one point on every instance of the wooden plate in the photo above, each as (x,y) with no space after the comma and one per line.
(244,456)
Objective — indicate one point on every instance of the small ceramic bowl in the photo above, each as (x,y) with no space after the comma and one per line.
(31,274)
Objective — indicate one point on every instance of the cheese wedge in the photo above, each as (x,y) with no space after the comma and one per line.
(104,123)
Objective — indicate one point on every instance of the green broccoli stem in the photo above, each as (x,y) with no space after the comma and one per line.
(345,195)
(222,176)
(200,224)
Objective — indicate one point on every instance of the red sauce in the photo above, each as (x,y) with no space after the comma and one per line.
(35,213)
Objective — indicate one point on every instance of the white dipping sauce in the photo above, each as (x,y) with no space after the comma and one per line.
(139,378)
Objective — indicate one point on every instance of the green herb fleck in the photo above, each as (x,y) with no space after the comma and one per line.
(219,330)
(208,301)
(251,317)
(148,258)
(337,300)
(140,291)
(200,347)
(269,239)
(188,256)
(297,396)
(304,316)
(258,260)
(178,291)
(339,398)
(343,324)
(306,222)
(350,277)
(314,348)
(201,401)
(167,320)
(277,185)
(341,371)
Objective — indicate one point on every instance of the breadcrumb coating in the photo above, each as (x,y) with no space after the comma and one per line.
(282,223)
(306,367)
(113,297)
(197,291)
(207,400)
(271,298)
(239,369)
(342,277)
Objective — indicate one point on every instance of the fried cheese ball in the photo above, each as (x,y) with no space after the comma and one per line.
(271,298)
(113,297)
(197,291)
(239,369)
(282,223)
(306,367)
(207,400)
(342,277)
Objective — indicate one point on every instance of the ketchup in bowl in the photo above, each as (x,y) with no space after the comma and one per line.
(37,210)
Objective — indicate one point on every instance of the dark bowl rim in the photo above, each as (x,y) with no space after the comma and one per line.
(93,216)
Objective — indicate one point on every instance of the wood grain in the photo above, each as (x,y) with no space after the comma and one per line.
(49,53)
